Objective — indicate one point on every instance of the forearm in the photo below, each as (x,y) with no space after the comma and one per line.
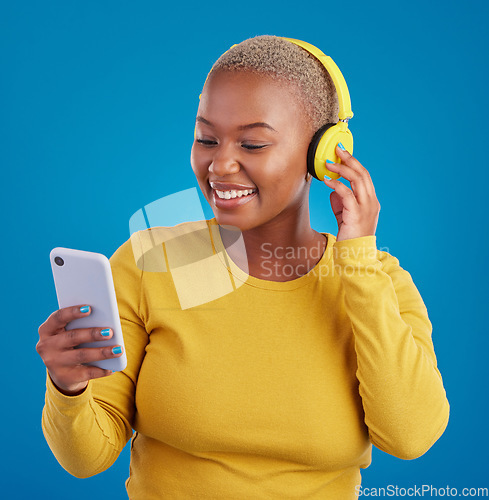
(404,400)
(83,434)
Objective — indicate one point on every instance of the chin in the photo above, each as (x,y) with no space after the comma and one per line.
(230,222)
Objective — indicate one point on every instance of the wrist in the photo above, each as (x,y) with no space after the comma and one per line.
(356,252)
(71,391)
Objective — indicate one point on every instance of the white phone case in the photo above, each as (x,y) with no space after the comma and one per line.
(86,278)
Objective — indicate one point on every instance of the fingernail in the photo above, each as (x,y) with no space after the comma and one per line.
(341,146)
(326,178)
(117,350)
(329,161)
(84,309)
(105,332)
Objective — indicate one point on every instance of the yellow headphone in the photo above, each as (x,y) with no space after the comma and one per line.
(323,144)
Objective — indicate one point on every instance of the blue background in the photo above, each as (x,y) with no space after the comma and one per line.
(98,101)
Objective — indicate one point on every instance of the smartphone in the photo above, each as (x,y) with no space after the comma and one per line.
(86,278)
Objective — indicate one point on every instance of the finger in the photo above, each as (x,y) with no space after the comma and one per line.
(88,355)
(348,159)
(356,179)
(351,162)
(91,372)
(60,318)
(337,207)
(346,194)
(77,336)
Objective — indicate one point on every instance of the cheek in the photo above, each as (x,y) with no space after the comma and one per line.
(287,162)
(286,173)
(198,162)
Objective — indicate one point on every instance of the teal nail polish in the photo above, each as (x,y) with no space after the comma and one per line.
(84,309)
(341,146)
(329,161)
(105,332)
(117,350)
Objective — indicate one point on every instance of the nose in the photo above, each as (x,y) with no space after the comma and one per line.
(224,161)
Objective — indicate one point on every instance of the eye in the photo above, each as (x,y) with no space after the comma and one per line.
(253,146)
(206,142)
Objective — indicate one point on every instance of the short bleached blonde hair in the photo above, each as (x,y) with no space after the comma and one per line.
(283,60)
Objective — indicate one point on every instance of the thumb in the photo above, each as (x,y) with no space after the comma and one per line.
(337,206)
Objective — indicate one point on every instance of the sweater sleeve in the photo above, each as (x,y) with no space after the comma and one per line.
(87,432)
(406,409)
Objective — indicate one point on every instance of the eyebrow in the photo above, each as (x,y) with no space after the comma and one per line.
(241,127)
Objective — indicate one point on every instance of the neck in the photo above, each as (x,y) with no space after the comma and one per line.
(284,248)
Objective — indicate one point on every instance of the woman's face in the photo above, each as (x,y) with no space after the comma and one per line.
(251,135)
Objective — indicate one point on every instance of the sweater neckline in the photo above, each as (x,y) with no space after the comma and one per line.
(244,278)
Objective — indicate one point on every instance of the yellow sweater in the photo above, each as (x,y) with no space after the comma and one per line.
(242,388)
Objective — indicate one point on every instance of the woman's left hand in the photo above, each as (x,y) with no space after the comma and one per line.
(356,209)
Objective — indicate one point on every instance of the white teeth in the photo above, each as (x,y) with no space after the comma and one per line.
(227,195)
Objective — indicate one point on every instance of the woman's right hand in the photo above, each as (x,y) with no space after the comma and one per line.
(65,362)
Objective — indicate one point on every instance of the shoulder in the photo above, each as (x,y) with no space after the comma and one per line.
(363,252)
(149,249)
(392,266)
(407,292)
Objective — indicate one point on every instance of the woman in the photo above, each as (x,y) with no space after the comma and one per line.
(278,388)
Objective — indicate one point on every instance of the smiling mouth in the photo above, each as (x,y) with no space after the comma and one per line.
(233,198)
(227,195)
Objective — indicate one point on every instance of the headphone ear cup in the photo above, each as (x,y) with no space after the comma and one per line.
(324,145)
(313,145)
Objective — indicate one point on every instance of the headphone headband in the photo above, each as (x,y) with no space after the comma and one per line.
(344,103)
